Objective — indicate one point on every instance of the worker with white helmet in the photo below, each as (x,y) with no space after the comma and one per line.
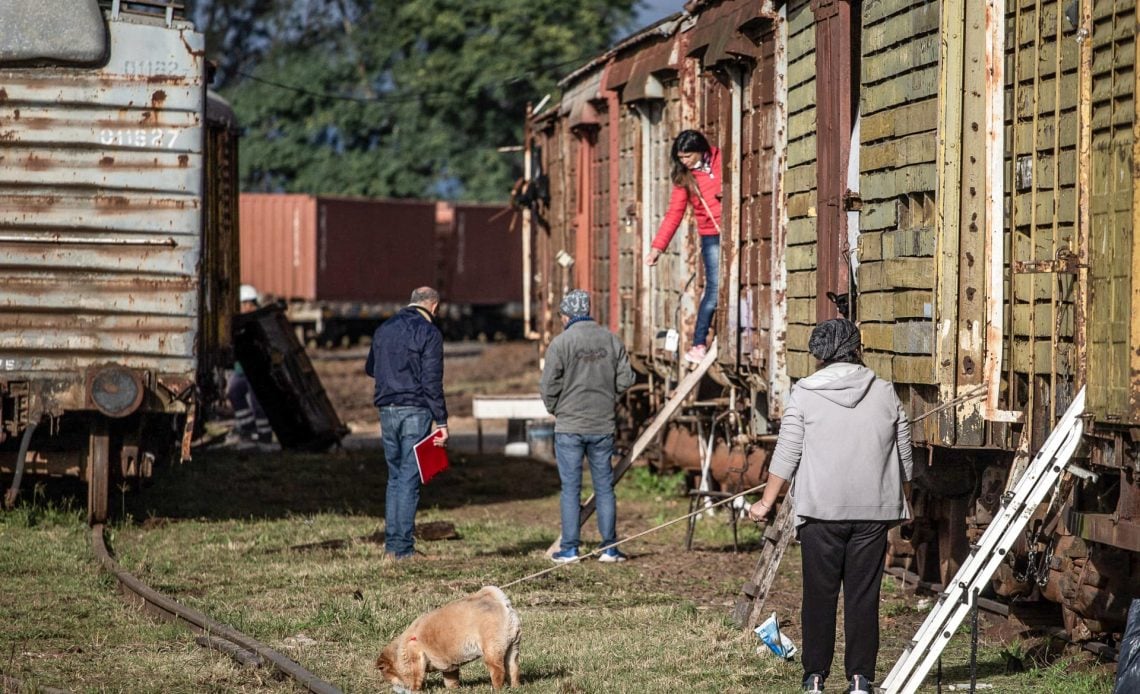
(251,427)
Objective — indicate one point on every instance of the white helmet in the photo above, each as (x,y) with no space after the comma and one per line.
(247,293)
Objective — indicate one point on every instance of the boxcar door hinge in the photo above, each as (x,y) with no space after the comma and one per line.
(1066,262)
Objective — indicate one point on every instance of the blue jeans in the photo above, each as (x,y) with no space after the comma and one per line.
(710,254)
(599,449)
(402,428)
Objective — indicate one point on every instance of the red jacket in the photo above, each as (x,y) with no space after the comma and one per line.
(710,186)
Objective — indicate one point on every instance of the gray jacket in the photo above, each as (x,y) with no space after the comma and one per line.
(586,370)
(846,440)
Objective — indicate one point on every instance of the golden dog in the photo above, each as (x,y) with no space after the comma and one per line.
(483,624)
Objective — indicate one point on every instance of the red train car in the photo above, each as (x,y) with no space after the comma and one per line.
(343,265)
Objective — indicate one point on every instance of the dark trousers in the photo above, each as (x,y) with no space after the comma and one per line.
(850,553)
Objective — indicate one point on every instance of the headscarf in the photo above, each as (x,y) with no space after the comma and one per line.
(576,304)
(834,340)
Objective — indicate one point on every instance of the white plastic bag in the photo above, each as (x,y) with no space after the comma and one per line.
(769,632)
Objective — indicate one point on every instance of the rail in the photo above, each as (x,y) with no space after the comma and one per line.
(217,635)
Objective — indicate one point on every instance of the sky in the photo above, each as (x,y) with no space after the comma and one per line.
(656,9)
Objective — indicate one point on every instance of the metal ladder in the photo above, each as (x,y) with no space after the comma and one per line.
(1018,506)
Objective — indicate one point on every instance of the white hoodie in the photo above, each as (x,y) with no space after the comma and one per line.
(845,440)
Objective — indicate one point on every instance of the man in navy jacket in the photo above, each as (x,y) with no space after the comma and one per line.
(407,362)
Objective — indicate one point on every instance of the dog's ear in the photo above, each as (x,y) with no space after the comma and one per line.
(414,662)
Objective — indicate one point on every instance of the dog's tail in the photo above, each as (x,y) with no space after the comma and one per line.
(512,616)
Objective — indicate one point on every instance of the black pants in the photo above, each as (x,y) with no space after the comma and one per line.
(850,553)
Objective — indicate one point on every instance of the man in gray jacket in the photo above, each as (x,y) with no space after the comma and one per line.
(845,438)
(586,370)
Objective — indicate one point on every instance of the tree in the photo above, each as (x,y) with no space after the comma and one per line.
(401,98)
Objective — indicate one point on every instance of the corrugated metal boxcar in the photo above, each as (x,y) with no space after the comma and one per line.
(101,174)
(958,176)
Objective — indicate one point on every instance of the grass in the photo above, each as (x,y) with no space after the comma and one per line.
(218,535)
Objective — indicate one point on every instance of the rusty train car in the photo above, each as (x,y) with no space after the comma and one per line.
(118,204)
(962,173)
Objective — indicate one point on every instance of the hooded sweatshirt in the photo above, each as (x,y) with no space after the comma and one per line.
(845,443)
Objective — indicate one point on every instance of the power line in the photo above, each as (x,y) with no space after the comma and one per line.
(402,97)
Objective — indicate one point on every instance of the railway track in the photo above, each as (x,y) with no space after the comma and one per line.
(212,634)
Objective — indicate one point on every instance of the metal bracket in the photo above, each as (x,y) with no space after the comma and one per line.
(1066,262)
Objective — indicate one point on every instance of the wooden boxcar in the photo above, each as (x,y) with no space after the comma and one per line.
(961,173)
(106,326)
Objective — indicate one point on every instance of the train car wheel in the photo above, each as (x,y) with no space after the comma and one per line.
(98,471)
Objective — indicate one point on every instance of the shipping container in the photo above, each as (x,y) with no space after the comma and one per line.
(343,265)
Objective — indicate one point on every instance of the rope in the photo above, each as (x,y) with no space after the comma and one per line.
(968,395)
(634,537)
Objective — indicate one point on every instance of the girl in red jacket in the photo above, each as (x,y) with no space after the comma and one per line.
(696,178)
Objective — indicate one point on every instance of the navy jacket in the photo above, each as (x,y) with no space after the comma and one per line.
(407,362)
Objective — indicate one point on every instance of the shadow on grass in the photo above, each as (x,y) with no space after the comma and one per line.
(519,549)
(990,666)
(219,485)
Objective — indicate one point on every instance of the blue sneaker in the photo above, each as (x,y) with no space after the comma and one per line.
(612,556)
(565,556)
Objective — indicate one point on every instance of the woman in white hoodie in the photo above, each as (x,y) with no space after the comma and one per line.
(845,440)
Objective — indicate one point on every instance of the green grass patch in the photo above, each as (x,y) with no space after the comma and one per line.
(238,538)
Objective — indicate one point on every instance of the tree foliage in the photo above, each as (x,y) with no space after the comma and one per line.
(401,98)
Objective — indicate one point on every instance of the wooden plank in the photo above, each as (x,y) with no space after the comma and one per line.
(884,33)
(800,178)
(920,148)
(800,258)
(916,53)
(801,311)
(801,364)
(913,337)
(879,215)
(801,284)
(879,185)
(910,243)
(870,246)
(800,204)
(905,119)
(802,151)
(881,364)
(910,273)
(902,89)
(909,369)
(950,86)
(776,539)
(873,277)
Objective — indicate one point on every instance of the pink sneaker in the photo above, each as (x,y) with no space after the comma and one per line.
(696,354)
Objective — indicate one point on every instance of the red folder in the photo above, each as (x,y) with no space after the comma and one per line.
(430,458)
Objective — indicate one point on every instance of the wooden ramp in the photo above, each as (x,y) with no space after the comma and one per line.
(686,386)
(749,609)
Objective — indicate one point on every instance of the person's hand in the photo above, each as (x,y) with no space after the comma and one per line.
(652,256)
(759,512)
(441,441)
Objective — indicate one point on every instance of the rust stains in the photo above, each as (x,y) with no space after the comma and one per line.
(16,114)
(158,98)
(183,161)
(107,162)
(112,201)
(3,94)
(34,163)
(8,136)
